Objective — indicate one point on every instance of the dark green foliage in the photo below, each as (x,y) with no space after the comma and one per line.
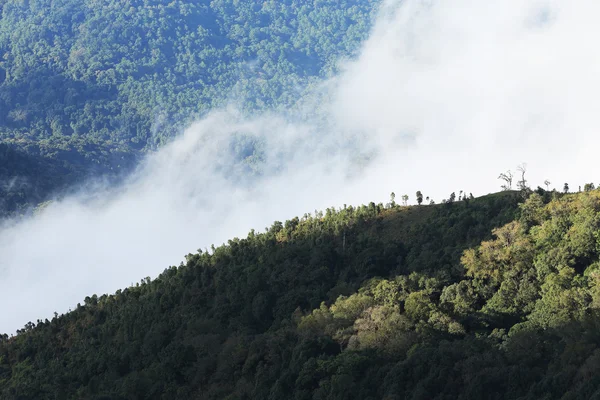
(31,173)
(359,303)
(419,196)
(322,306)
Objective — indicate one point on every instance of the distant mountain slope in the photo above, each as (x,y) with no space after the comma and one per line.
(247,321)
(135,72)
(26,180)
(102,82)
(33,172)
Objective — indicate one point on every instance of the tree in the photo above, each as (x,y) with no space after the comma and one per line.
(507,177)
(405,199)
(419,197)
(393,199)
(547,183)
(588,187)
(452,197)
(522,169)
(566,188)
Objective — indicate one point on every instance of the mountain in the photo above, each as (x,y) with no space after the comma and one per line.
(106,83)
(34,172)
(494,297)
(137,72)
(489,298)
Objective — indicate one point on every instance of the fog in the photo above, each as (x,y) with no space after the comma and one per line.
(443,97)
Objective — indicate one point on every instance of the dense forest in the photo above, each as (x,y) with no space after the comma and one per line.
(135,72)
(489,298)
(32,175)
(92,86)
(496,297)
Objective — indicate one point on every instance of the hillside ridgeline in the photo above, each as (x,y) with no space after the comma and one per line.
(489,298)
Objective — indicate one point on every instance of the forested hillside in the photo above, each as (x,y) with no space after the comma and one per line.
(476,299)
(92,85)
(31,175)
(496,297)
(137,71)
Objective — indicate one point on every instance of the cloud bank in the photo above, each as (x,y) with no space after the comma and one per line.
(443,97)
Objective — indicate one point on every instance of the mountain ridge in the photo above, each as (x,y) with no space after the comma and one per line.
(322,257)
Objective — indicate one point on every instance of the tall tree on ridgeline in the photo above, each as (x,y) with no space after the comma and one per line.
(507,177)
(522,184)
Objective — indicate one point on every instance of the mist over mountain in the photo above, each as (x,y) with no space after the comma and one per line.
(94,87)
(150,130)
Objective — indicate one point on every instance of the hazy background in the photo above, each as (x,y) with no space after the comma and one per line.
(444,96)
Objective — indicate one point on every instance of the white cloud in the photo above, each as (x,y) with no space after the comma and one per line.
(444,96)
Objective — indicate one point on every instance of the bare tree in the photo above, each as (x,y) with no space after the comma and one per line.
(507,178)
(547,183)
(522,169)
